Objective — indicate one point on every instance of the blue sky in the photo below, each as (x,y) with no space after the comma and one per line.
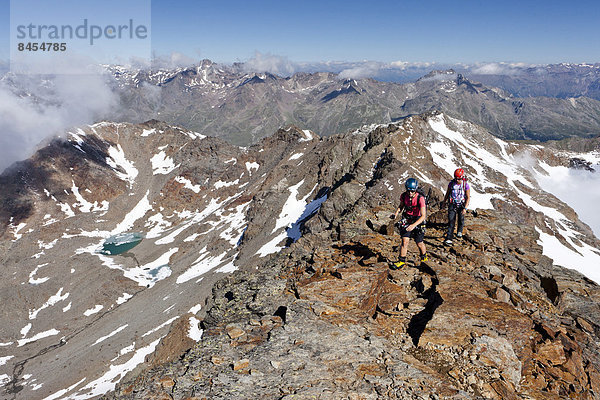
(415,31)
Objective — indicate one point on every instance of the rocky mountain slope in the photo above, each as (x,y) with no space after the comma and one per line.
(577,144)
(327,318)
(311,307)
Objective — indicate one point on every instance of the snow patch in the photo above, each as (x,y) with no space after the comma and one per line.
(109,380)
(293,213)
(311,208)
(46,246)
(162,164)
(159,226)
(124,298)
(118,160)
(192,237)
(201,265)
(234,221)
(136,213)
(145,275)
(194,332)
(220,184)
(148,132)
(37,281)
(84,205)
(4,360)
(308,136)
(188,184)
(113,333)
(272,246)
(252,166)
(168,322)
(51,301)
(195,309)
(16,229)
(94,310)
(585,259)
(229,267)
(41,335)
(64,207)
(62,392)
(26,329)
(195,135)
(292,209)
(127,349)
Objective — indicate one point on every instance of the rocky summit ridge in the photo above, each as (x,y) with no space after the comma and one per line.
(265,270)
(328,319)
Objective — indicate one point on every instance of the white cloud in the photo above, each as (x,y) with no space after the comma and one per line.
(396,71)
(499,68)
(278,65)
(173,60)
(579,189)
(405,64)
(366,69)
(34,107)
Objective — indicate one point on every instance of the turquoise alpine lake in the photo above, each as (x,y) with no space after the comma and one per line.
(120,243)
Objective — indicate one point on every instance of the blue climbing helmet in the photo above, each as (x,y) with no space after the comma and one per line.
(411,184)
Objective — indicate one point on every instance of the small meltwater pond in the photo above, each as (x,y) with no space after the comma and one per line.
(121,243)
(159,272)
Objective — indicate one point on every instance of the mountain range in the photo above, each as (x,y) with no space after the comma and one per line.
(555,80)
(178,265)
(243,107)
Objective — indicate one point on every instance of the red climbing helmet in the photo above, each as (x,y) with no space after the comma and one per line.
(459,173)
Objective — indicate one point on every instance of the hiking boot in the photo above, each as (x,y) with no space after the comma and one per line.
(459,235)
(424,258)
(448,241)
(397,265)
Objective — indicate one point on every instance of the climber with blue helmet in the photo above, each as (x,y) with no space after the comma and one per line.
(413,208)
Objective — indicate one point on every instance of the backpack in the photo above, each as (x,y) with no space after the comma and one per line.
(426,196)
(462,191)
